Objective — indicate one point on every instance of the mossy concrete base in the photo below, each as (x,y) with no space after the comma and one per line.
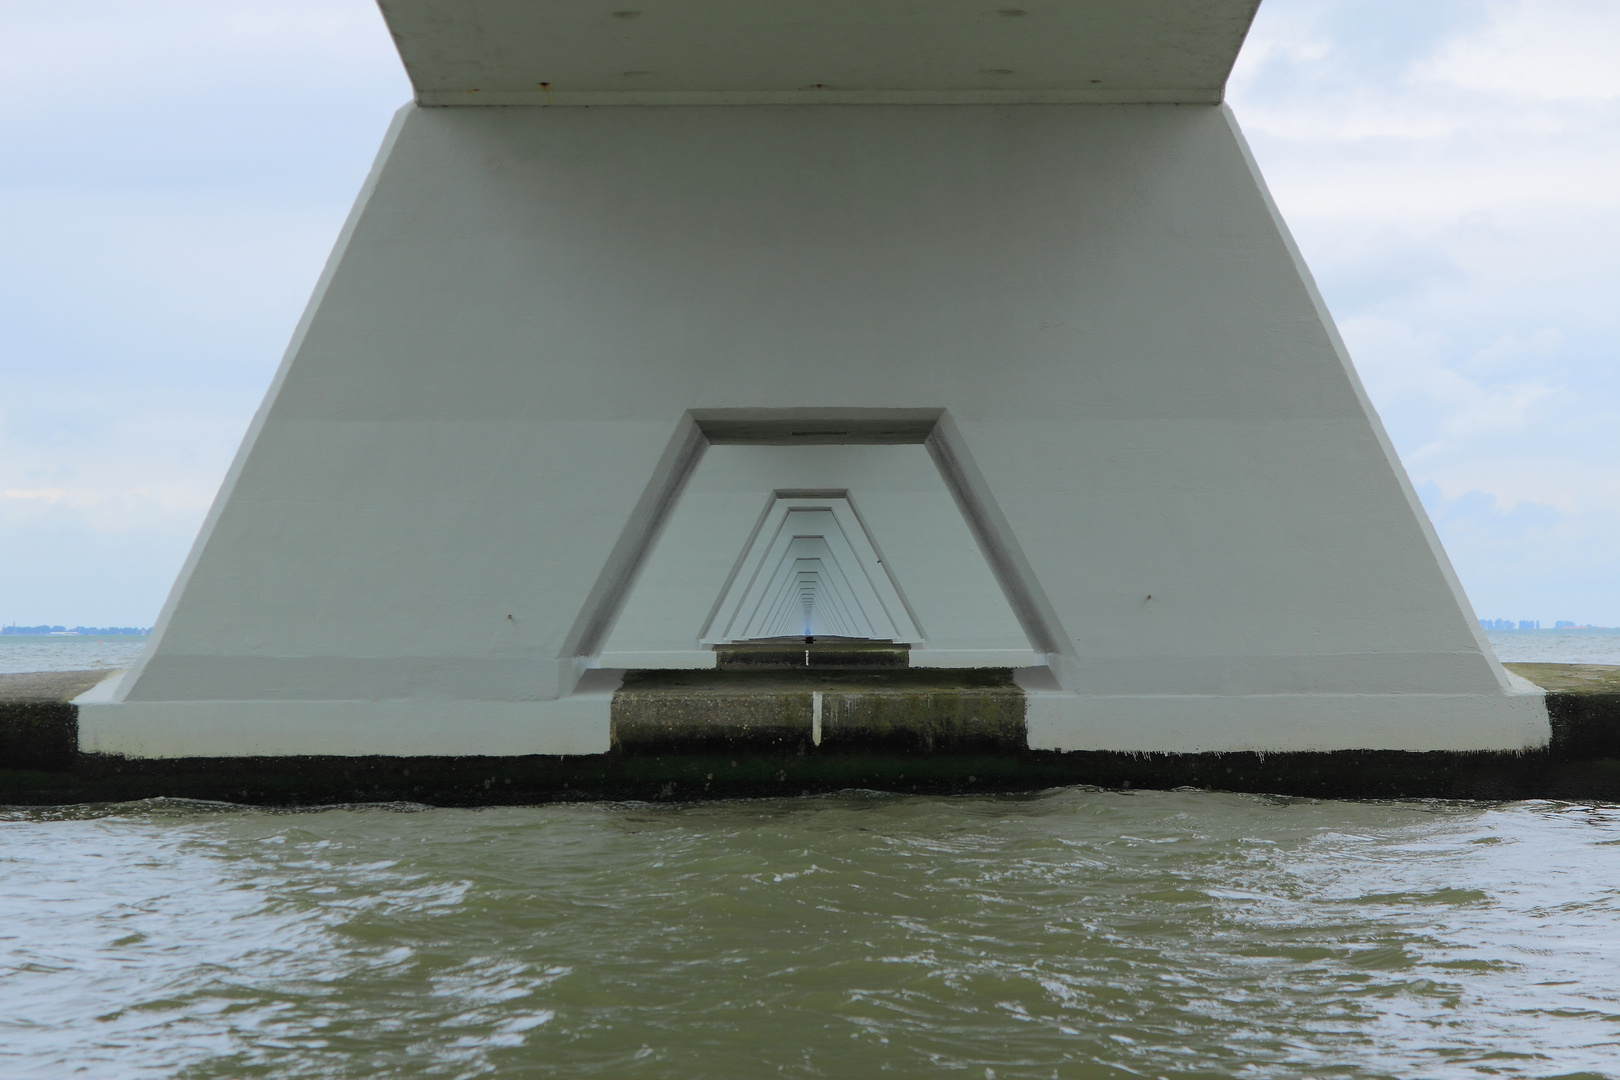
(39,765)
(935,710)
(39,729)
(464,781)
(821,652)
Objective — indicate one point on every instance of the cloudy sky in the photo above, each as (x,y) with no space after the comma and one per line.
(176,170)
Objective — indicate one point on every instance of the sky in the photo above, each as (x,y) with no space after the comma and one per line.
(175,172)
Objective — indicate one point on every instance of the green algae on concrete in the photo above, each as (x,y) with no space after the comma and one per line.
(652,720)
(924,710)
(925,719)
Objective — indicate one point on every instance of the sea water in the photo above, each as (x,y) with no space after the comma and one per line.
(1600,646)
(1075,933)
(68,652)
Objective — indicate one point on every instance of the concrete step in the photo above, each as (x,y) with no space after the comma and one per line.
(39,728)
(918,710)
(808,652)
(1583,705)
(710,757)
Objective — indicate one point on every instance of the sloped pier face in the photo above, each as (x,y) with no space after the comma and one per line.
(1041,388)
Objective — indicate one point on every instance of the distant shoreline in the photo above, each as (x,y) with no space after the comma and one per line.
(58,632)
(1546,629)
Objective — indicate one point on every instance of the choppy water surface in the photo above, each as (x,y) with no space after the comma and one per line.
(1073,934)
(19,652)
(1556,646)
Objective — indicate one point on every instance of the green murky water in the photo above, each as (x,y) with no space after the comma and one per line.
(1071,934)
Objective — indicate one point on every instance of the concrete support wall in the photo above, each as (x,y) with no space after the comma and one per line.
(1170,468)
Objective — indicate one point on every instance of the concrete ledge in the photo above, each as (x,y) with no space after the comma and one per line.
(247,729)
(40,765)
(1583,707)
(583,723)
(1577,679)
(53,686)
(804,653)
(1294,723)
(38,724)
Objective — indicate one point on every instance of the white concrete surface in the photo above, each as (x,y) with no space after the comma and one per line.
(810,568)
(104,690)
(1224,723)
(578,724)
(1089,318)
(568,52)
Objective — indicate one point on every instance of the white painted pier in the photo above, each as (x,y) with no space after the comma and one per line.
(962,325)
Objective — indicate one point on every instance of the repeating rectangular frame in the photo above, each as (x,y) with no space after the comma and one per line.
(698,429)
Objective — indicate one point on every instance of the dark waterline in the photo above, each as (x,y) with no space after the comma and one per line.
(1075,933)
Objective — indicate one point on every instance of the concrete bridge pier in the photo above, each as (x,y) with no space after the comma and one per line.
(962,327)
